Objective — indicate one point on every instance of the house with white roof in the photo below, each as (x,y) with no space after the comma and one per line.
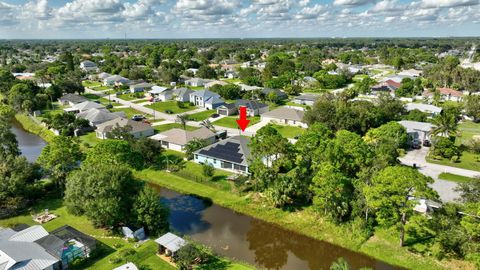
(431,110)
(176,138)
(196,82)
(88,66)
(417,130)
(285,116)
(84,106)
(115,80)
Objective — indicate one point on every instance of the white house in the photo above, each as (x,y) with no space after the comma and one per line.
(88,66)
(206,99)
(84,106)
(140,87)
(115,80)
(417,130)
(285,116)
(195,82)
(425,108)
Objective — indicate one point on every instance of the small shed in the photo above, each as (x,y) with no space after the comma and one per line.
(134,234)
(169,244)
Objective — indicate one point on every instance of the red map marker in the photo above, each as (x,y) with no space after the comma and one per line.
(243,121)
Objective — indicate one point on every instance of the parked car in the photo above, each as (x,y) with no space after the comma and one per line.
(169,111)
(157,99)
(215,115)
(138,117)
(427,143)
(416,144)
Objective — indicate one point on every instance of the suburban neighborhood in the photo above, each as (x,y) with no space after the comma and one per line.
(238,153)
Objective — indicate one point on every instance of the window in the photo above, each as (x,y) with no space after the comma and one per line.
(214,161)
(196,156)
(226,165)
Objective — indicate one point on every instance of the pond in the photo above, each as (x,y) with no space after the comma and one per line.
(254,241)
(30,144)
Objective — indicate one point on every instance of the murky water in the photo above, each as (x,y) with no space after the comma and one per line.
(30,144)
(254,241)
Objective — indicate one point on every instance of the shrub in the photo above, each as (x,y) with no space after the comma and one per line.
(474,145)
(208,170)
(126,252)
(454,159)
(180,105)
(115,260)
(445,148)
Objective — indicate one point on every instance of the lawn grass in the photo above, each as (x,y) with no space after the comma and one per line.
(231,121)
(455,178)
(382,246)
(101,88)
(467,130)
(131,96)
(89,84)
(289,131)
(140,101)
(162,128)
(170,105)
(90,138)
(200,116)
(468,161)
(291,103)
(128,111)
(100,99)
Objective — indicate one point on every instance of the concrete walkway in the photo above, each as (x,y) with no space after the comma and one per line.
(444,188)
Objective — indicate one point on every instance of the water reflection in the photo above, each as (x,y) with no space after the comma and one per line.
(259,243)
(30,144)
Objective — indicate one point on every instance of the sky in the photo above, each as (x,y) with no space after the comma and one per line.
(165,19)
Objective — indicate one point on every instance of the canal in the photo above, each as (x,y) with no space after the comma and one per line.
(235,235)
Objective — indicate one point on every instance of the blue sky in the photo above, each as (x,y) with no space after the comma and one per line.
(237,18)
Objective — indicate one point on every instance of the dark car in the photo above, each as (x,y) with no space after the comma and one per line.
(215,115)
(416,144)
(138,117)
(427,143)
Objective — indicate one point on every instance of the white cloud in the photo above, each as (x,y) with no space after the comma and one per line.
(447,3)
(352,2)
(387,6)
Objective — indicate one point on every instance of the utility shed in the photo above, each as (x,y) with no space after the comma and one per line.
(169,244)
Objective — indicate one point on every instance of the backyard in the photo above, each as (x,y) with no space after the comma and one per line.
(91,84)
(171,106)
(468,159)
(231,121)
(162,128)
(289,131)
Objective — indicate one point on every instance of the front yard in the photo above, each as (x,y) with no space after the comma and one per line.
(171,106)
(200,116)
(128,111)
(91,84)
(231,121)
(131,96)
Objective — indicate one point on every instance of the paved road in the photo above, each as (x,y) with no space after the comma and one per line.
(444,188)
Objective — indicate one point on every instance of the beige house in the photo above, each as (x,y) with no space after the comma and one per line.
(138,129)
(176,138)
(285,116)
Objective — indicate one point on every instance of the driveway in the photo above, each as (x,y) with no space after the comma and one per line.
(444,188)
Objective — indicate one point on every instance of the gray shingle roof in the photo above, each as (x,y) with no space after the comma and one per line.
(171,242)
(234,149)
(285,113)
(182,137)
(123,122)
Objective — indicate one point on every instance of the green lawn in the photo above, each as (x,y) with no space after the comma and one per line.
(128,111)
(162,128)
(140,101)
(200,116)
(468,161)
(291,103)
(231,121)
(170,105)
(359,77)
(467,130)
(110,247)
(91,84)
(101,88)
(455,178)
(289,131)
(131,96)
(90,138)
(102,100)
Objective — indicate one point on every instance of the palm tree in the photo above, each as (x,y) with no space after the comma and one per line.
(182,119)
(208,124)
(445,124)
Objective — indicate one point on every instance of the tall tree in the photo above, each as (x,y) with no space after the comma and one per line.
(390,193)
(150,212)
(445,124)
(115,152)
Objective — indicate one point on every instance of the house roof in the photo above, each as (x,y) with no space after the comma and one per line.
(157,89)
(123,122)
(214,100)
(307,97)
(285,113)
(248,87)
(393,83)
(234,149)
(229,106)
(141,85)
(279,93)
(99,115)
(450,91)
(423,107)
(181,137)
(204,93)
(116,78)
(250,104)
(197,80)
(127,266)
(22,253)
(88,63)
(171,242)
(86,105)
(73,98)
(414,126)
(182,91)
